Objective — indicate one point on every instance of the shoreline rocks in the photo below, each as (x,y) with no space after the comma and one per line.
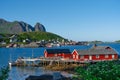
(51,76)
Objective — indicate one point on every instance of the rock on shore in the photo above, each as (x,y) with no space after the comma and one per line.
(52,76)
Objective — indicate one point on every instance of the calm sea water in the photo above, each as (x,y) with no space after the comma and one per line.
(20,73)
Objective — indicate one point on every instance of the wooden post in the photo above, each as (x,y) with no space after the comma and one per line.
(65,64)
(43,63)
(23,63)
(58,63)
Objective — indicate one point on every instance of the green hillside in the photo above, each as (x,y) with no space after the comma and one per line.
(37,36)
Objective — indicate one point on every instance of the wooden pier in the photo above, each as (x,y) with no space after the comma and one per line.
(42,61)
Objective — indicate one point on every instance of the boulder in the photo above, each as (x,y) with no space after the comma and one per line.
(42,77)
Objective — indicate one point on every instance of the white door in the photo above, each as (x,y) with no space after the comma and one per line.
(45,54)
(73,56)
(90,57)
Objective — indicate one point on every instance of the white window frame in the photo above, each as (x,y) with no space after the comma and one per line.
(113,56)
(73,56)
(106,56)
(90,57)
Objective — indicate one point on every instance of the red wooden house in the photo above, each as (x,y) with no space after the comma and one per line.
(63,53)
(96,53)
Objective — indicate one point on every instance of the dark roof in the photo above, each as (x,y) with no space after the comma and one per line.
(57,51)
(100,47)
(97,50)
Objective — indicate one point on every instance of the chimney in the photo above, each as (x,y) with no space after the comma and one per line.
(95,45)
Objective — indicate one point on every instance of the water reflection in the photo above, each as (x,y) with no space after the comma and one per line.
(20,73)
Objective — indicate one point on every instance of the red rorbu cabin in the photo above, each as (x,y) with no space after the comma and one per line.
(96,53)
(63,53)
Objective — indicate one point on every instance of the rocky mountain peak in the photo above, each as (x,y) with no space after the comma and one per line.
(16,27)
(39,27)
(2,21)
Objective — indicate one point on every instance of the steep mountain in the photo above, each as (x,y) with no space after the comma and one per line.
(18,27)
(26,27)
(39,27)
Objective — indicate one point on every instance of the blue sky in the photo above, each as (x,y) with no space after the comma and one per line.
(79,20)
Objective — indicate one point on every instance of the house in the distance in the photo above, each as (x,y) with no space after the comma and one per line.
(96,53)
(62,53)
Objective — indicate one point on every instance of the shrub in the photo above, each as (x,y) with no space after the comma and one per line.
(107,70)
(4,73)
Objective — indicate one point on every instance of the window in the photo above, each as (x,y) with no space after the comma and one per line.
(97,56)
(77,56)
(55,55)
(45,54)
(90,57)
(73,56)
(113,56)
(81,57)
(106,56)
